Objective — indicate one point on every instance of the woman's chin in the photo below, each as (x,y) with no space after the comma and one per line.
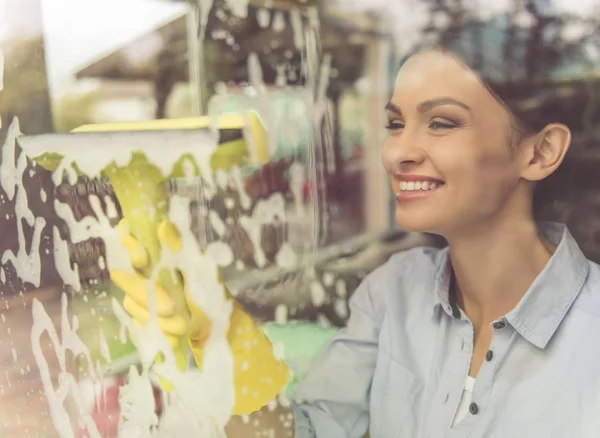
(416,223)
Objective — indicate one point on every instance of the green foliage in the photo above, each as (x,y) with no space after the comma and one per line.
(25,94)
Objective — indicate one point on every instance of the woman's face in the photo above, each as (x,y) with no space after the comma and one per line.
(448,153)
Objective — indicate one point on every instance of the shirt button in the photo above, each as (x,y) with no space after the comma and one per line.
(489,355)
(473,408)
(499,325)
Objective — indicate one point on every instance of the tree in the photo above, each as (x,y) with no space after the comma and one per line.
(25,94)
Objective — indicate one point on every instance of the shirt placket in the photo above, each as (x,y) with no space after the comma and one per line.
(452,380)
(486,377)
(475,419)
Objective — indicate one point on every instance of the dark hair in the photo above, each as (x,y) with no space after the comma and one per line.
(534,105)
(569,194)
(541,83)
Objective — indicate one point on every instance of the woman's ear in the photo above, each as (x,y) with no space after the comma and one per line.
(544,152)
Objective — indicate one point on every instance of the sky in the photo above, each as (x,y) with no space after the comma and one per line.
(78,32)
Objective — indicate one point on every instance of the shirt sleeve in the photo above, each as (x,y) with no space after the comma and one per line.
(333,399)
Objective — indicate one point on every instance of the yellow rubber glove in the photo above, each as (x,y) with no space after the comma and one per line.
(258,375)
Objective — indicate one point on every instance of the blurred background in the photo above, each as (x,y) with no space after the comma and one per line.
(68,63)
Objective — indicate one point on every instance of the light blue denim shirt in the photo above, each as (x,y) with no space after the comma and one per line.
(399,367)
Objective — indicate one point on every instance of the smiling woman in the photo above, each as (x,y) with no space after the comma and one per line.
(468,340)
(445,122)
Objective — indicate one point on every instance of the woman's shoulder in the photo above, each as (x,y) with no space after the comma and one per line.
(407,279)
(417,262)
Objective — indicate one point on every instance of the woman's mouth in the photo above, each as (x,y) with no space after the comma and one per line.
(414,190)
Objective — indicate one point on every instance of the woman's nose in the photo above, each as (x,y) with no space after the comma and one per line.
(402,152)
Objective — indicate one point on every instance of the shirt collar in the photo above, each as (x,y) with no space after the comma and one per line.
(543,307)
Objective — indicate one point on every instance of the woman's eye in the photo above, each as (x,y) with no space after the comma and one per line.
(395,125)
(442,124)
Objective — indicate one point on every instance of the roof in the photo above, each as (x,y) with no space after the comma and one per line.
(230,39)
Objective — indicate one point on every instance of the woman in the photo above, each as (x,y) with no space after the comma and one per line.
(493,336)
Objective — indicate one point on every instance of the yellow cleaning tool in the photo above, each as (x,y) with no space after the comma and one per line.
(258,375)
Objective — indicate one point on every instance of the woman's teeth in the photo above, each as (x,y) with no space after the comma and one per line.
(418,185)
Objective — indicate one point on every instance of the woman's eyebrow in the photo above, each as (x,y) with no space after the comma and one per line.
(428,105)
(393,108)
